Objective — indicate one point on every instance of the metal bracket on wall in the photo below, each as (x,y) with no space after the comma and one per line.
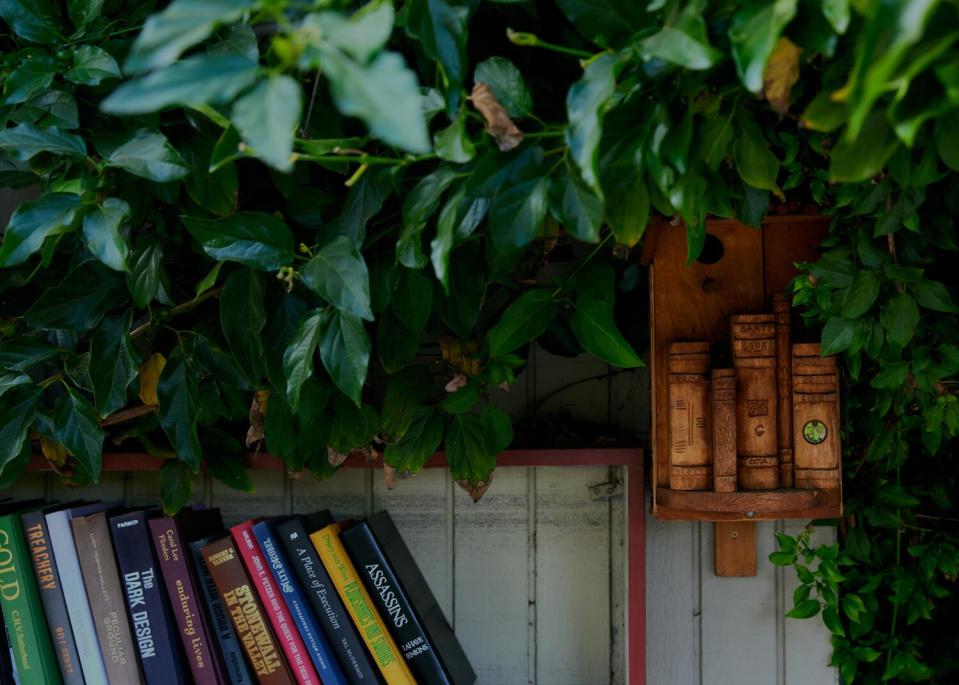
(607,490)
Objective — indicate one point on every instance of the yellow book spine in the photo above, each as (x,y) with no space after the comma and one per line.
(367,621)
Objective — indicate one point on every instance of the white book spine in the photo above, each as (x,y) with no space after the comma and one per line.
(75,594)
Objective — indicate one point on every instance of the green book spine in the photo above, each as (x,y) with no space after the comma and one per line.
(23,613)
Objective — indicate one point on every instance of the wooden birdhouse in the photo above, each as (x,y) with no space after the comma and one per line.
(745,415)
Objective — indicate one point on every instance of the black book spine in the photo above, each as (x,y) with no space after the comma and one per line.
(326,603)
(393,604)
(418,591)
(51,595)
(150,618)
(223,630)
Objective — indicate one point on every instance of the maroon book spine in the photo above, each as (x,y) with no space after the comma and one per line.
(184,600)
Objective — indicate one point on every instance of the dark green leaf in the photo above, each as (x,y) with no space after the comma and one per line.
(627,211)
(824,114)
(32,20)
(453,143)
(21,354)
(257,240)
(899,317)
(229,470)
(345,351)
(280,431)
(243,317)
(32,222)
(338,274)
(577,208)
(596,331)
(17,409)
(806,609)
(52,108)
(404,393)
(182,24)
(298,356)
(412,299)
(683,42)
(837,335)
(179,410)
(78,303)
(517,213)
(384,94)
(934,295)
(77,427)
(753,33)
(499,428)
(440,27)
(113,364)
(176,486)
(420,441)
(267,116)
(150,156)
(91,66)
(855,160)
(463,399)
(143,277)
(469,450)
(197,80)
(31,78)
(524,320)
(947,140)
(26,141)
(507,84)
(101,233)
(417,208)
(756,164)
(396,345)
(602,21)
(12,379)
(586,103)
(861,295)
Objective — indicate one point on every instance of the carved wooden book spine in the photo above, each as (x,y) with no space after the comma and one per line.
(723,420)
(754,358)
(781,306)
(690,442)
(815,418)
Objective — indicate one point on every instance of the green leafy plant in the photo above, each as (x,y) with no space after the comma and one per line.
(325,224)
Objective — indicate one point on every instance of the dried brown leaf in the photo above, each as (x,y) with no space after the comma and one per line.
(476,490)
(149,377)
(55,453)
(335,458)
(458,380)
(781,74)
(257,417)
(498,124)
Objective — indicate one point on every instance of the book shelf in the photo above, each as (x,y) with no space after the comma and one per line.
(628,462)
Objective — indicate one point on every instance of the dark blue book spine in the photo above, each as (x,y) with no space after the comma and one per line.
(51,594)
(150,619)
(327,605)
(223,630)
(393,605)
(316,643)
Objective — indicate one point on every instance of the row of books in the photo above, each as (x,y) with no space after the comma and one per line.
(94,593)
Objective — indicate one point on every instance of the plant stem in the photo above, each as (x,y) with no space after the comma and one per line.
(47,382)
(363,159)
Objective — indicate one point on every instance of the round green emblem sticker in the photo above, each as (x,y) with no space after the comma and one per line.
(814,432)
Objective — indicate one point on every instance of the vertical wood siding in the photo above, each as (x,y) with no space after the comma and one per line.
(533,577)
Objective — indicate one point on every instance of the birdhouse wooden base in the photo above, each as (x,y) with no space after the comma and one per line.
(726,300)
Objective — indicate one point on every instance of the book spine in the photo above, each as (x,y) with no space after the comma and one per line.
(348,584)
(315,642)
(815,418)
(182,595)
(290,641)
(153,630)
(223,630)
(327,605)
(690,444)
(92,537)
(723,400)
(438,629)
(239,599)
(51,595)
(757,442)
(23,616)
(782,304)
(394,606)
(78,607)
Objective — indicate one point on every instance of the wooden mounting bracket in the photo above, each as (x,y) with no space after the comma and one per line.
(734,544)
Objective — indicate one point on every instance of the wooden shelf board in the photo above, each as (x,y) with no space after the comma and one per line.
(631,456)
(756,505)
